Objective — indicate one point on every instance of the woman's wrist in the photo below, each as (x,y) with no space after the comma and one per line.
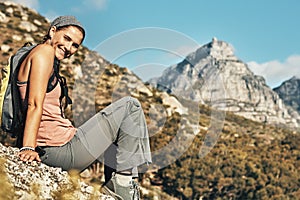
(27,148)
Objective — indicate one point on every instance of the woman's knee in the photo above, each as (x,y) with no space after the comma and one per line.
(136,102)
(132,100)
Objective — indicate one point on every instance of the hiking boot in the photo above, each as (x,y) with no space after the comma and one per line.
(130,192)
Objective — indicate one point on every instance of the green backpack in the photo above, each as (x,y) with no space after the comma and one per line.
(11,115)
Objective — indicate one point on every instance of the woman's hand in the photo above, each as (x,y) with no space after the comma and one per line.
(29,155)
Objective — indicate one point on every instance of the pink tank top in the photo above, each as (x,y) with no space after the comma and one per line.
(54,130)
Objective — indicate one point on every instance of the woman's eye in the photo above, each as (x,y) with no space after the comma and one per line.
(76,46)
(67,38)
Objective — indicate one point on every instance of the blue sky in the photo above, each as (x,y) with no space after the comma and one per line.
(264,33)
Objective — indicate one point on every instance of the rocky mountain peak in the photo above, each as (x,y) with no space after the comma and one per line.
(294,78)
(214,75)
(289,91)
(216,49)
(221,50)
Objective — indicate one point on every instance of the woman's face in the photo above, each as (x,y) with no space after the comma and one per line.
(65,41)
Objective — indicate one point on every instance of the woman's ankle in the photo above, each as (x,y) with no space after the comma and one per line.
(123,180)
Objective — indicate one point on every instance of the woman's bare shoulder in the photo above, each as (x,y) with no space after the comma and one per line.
(42,50)
(42,55)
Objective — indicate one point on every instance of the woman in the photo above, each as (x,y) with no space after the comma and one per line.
(122,123)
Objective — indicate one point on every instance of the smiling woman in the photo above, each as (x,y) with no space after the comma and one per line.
(66,41)
(51,138)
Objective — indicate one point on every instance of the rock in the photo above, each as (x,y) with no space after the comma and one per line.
(10,11)
(5,48)
(38,181)
(37,22)
(3,18)
(28,26)
(28,38)
(174,105)
(17,37)
(9,3)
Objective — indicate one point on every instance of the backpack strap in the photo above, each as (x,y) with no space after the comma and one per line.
(52,82)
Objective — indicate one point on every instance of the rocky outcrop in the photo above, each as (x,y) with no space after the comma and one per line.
(215,76)
(39,181)
(18,25)
(289,92)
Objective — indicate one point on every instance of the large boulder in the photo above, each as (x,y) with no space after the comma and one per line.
(21,180)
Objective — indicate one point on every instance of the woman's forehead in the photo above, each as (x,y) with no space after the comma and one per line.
(74,33)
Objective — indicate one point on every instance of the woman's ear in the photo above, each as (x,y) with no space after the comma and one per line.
(52,31)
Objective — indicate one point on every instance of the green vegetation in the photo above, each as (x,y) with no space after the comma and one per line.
(249,161)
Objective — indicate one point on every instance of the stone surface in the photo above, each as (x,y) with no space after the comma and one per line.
(38,181)
(5,48)
(28,26)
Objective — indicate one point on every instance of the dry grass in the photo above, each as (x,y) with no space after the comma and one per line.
(7,190)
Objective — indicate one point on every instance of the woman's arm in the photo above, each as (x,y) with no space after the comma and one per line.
(38,66)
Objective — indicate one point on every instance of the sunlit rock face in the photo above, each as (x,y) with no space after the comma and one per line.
(289,92)
(215,76)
